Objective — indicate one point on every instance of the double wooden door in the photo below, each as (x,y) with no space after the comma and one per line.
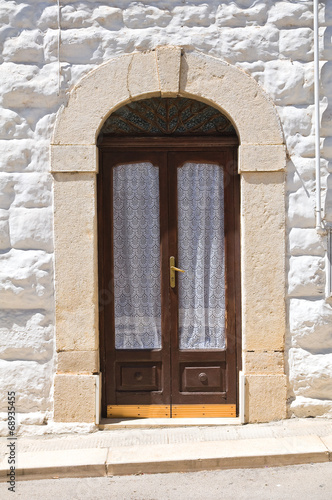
(169,281)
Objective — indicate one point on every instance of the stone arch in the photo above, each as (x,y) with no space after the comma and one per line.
(165,72)
(169,72)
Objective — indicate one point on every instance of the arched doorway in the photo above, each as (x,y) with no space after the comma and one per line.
(168,191)
(169,72)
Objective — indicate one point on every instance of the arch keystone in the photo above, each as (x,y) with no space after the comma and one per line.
(168,63)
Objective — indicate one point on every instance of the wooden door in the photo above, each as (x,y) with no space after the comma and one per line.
(169,347)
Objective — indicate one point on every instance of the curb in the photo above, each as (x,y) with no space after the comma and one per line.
(89,462)
(188,457)
(245,453)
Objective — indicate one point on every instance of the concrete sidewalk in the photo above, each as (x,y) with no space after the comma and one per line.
(119,451)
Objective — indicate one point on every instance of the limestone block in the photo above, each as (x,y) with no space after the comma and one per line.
(78,361)
(26,335)
(74,158)
(325,32)
(300,172)
(48,19)
(80,45)
(13,126)
(26,279)
(74,398)
(328,211)
(326,78)
(193,15)
(15,155)
(263,261)
(50,46)
(6,190)
(296,120)
(301,209)
(310,375)
(256,158)
(32,190)
(25,16)
(76,286)
(229,14)
(306,241)
(326,14)
(286,82)
(138,16)
(4,230)
(307,407)
(209,79)
(72,16)
(30,380)
(34,87)
(301,146)
(6,13)
(32,418)
(326,150)
(39,161)
(31,228)
(310,324)
(296,43)
(327,206)
(109,17)
(168,63)
(263,362)
(287,14)
(142,79)
(78,71)
(250,44)
(306,276)
(25,48)
(44,126)
(265,398)
(326,121)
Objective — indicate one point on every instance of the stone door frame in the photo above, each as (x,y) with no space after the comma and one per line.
(169,72)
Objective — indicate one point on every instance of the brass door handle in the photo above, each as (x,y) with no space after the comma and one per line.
(177,269)
(172,270)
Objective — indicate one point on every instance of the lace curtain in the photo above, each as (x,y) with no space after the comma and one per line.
(136,256)
(201,254)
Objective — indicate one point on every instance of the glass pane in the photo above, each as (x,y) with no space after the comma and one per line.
(136,256)
(201,254)
(167,115)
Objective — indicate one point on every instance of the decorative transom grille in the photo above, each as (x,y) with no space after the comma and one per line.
(167,116)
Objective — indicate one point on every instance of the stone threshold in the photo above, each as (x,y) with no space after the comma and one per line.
(149,423)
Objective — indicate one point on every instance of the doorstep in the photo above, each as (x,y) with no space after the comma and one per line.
(149,423)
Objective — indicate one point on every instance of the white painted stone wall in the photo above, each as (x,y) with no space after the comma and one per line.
(272,41)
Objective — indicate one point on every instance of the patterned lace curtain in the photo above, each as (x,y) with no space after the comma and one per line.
(136,256)
(201,254)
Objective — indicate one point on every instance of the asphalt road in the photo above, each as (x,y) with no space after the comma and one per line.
(296,482)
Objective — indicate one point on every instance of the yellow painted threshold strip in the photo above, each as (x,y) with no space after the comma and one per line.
(141,411)
(201,411)
(164,411)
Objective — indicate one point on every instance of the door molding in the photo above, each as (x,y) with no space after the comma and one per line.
(169,71)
